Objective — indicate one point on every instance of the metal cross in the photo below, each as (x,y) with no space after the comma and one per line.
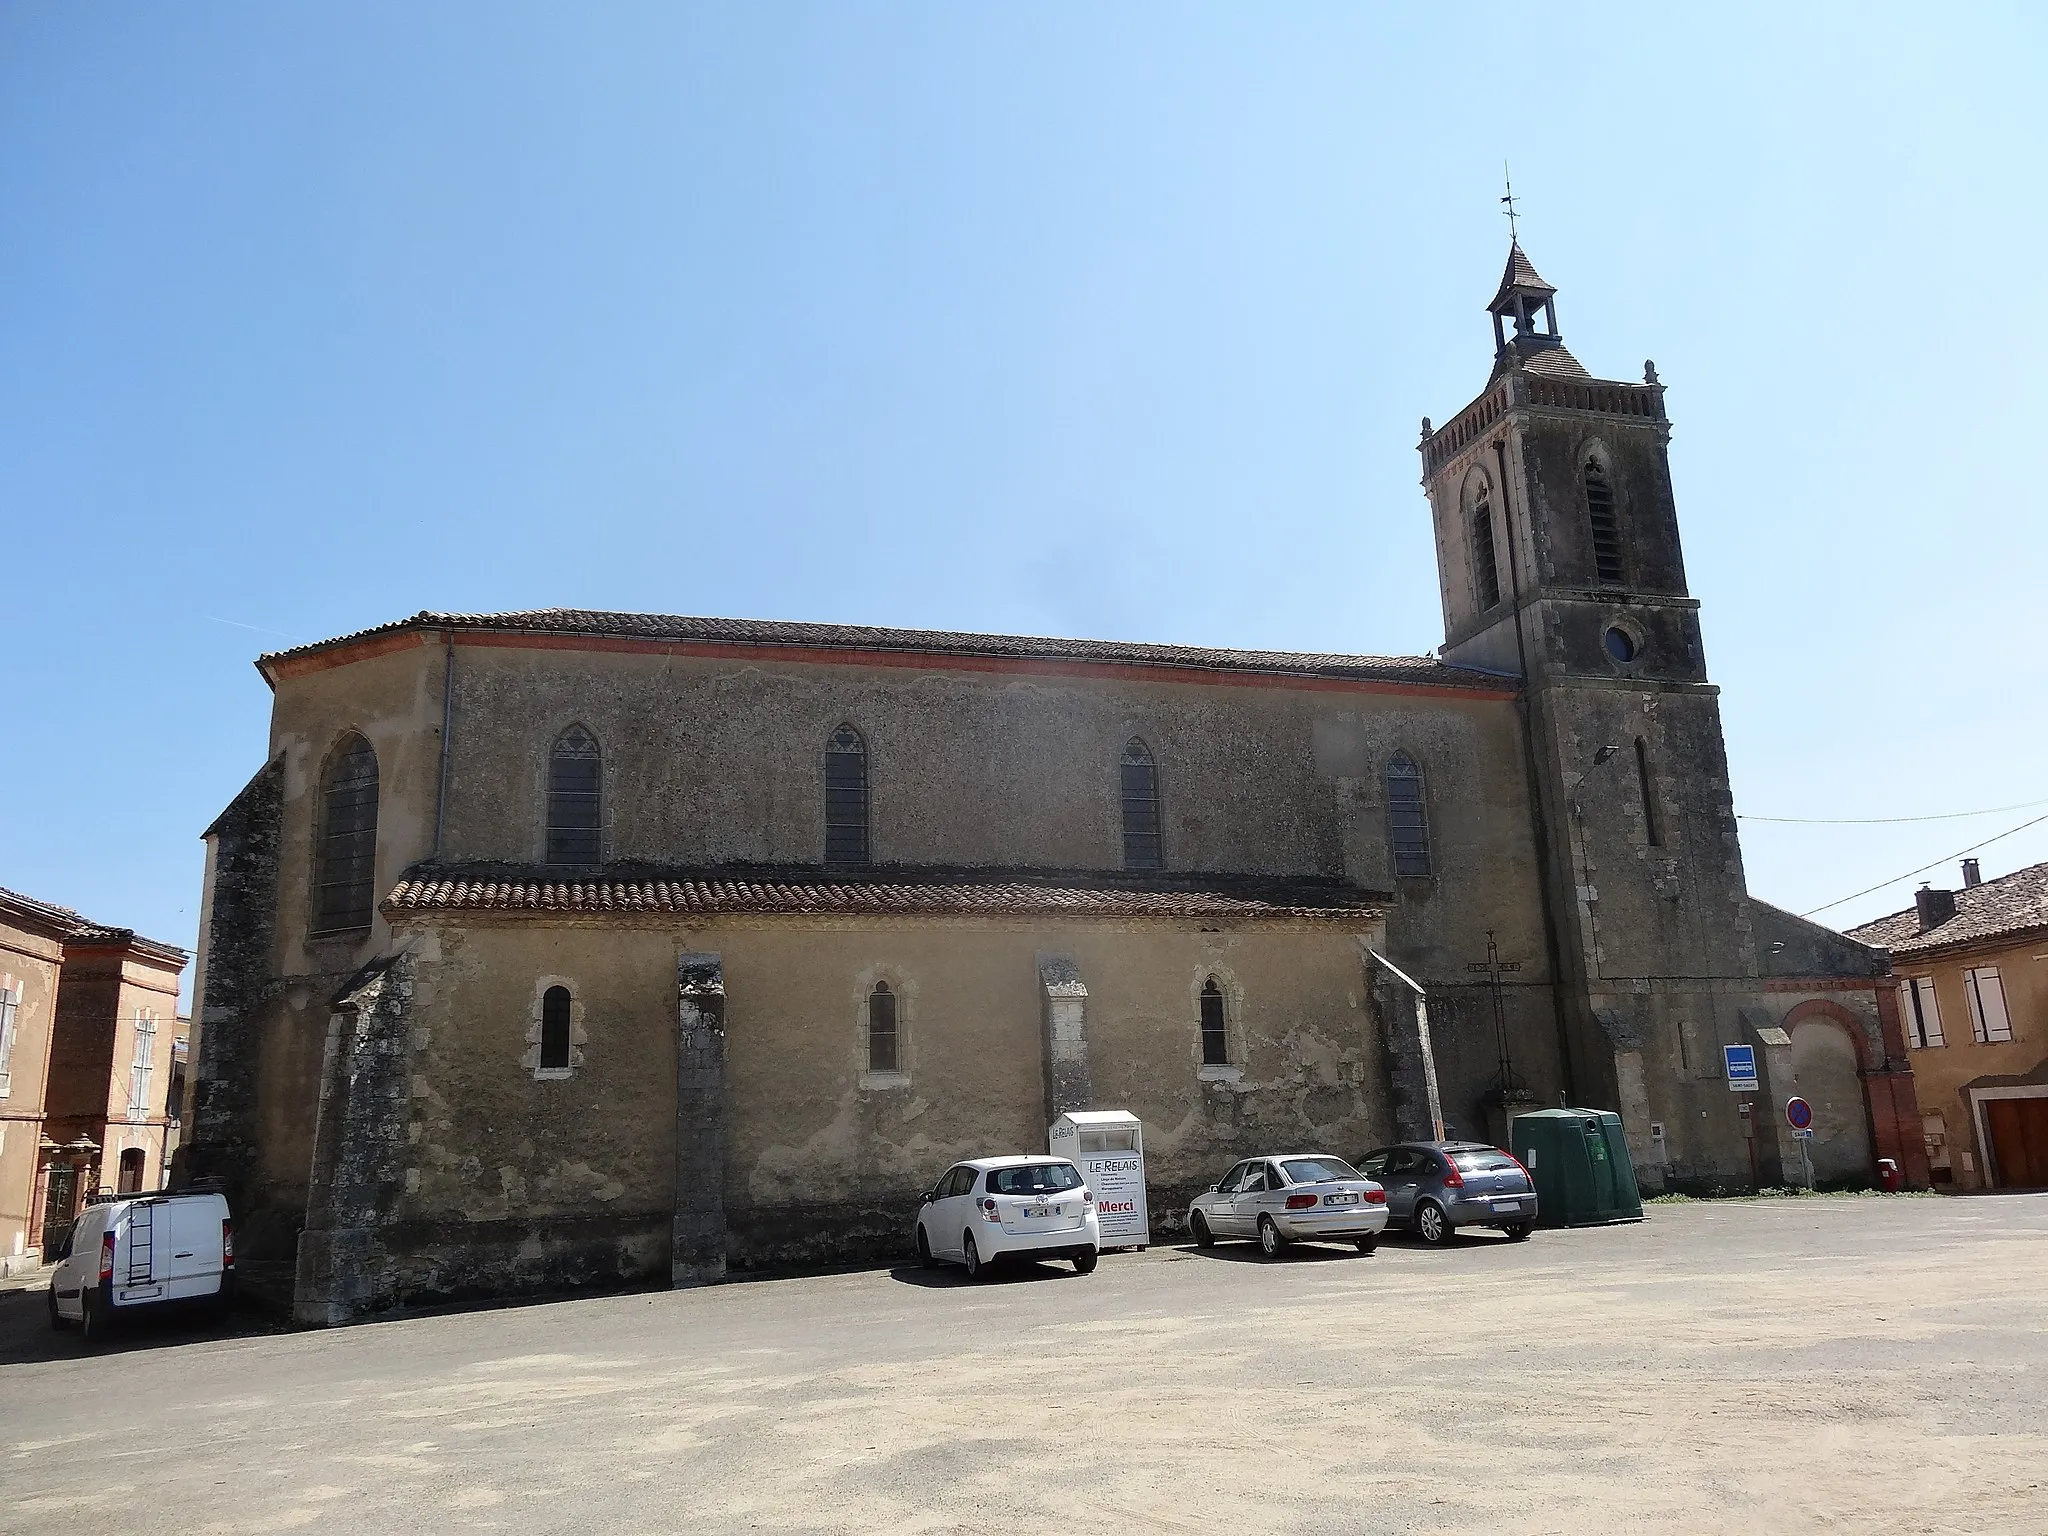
(1508,202)
(1493,968)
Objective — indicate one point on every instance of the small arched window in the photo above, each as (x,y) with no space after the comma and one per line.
(554,1030)
(1485,568)
(575,798)
(348,839)
(132,1161)
(1139,784)
(1407,817)
(846,798)
(1215,1037)
(882,1035)
(1605,523)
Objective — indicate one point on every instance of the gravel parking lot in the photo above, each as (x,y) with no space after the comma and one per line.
(1829,1364)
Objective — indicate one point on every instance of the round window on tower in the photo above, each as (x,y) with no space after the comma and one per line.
(1621,645)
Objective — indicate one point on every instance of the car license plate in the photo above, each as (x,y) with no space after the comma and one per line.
(1507,1205)
(1036,1211)
(1341,1199)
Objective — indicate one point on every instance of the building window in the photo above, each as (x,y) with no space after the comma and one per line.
(1652,829)
(1485,569)
(348,839)
(144,1060)
(1407,817)
(131,1171)
(1989,1022)
(575,798)
(846,798)
(1605,523)
(1215,1037)
(883,1055)
(554,1030)
(1922,1011)
(10,1004)
(1138,783)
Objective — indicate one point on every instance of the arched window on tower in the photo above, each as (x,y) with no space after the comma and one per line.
(1215,1035)
(1485,569)
(882,1036)
(575,799)
(346,886)
(846,798)
(1138,781)
(1407,817)
(554,1030)
(1605,523)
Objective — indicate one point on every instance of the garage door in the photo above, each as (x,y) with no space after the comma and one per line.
(2019,1141)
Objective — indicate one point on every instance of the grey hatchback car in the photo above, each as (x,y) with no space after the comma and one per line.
(1435,1187)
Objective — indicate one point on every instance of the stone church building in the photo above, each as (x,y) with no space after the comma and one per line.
(563,948)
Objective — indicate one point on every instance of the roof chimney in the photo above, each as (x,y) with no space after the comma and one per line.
(1971,874)
(1936,907)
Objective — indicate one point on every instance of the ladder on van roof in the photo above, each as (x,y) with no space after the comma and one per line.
(141,1236)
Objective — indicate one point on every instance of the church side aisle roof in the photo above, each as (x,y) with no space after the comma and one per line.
(572,624)
(808,891)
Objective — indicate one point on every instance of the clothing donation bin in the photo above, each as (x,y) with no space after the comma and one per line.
(1108,1146)
(1579,1160)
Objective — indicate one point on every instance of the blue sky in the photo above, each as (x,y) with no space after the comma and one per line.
(1109,321)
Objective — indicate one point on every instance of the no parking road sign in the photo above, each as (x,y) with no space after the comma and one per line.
(1799,1114)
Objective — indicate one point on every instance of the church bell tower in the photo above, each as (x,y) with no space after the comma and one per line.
(1559,561)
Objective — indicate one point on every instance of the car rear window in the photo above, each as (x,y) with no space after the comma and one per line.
(1034,1179)
(1317,1170)
(1482,1162)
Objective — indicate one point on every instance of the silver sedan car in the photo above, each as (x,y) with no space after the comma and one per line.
(1293,1197)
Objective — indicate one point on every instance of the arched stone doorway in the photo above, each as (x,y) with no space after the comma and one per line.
(1825,1070)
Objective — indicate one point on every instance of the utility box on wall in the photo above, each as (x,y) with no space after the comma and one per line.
(1108,1146)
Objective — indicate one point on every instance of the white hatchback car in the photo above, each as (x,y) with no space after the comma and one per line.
(994,1208)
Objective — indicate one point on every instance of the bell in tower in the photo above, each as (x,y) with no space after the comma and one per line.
(1525,321)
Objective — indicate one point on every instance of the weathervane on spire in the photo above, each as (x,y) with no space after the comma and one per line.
(1508,203)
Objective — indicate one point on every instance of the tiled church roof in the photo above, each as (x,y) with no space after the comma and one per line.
(1425,670)
(810,891)
(2009,906)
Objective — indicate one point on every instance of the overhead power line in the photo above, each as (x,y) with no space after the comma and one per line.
(1909,874)
(1886,821)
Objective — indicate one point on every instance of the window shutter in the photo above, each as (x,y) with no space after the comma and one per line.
(1989,1022)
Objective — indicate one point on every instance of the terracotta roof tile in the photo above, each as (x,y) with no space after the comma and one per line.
(2009,906)
(762,632)
(809,891)
(75,928)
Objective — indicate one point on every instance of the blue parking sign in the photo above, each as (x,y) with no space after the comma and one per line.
(1741,1061)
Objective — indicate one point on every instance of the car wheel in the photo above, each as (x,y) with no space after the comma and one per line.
(1084,1262)
(58,1321)
(924,1251)
(93,1322)
(1367,1244)
(1431,1225)
(971,1256)
(1518,1231)
(1270,1240)
(1199,1225)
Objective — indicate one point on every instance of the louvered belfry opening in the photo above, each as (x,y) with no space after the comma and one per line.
(575,799)
(1605,523)
(882,1029)
(1486,570)
(846,798)
(1407,817)
(348,839)
(1139,783)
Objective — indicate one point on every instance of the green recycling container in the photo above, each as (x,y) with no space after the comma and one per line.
(1579,1160)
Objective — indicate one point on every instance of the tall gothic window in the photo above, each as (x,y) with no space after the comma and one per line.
(1485,569)
(1407,817)
(575,798)
(882,1054)
(1605,523)
(846,798)
(1215,1039)
(554,1030)
(348,839)
(1139,783)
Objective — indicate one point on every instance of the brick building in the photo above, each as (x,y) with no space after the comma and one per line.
(87,1024)
(565,947)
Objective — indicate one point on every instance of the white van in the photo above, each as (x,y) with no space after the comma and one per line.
(139,1251)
